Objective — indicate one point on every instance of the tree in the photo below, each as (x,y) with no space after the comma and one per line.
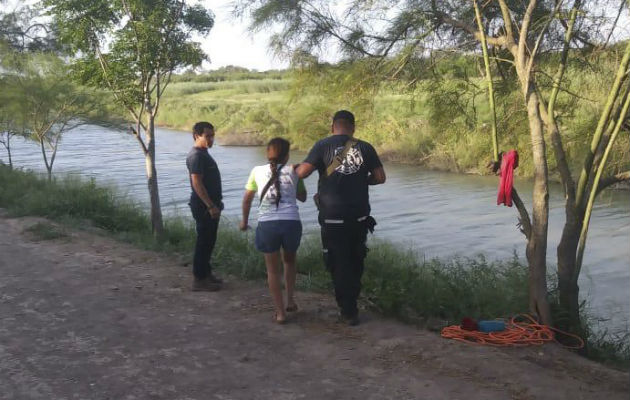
(394,33)
(42,103)
(21,30)
(131,48)
(21,35)
(11,118)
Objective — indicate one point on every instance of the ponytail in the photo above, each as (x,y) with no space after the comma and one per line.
(277,153)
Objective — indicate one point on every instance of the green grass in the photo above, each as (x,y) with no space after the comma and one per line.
(397,282)
(441,122)
(224,88)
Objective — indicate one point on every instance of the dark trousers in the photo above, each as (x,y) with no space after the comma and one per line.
(206,238)
(344,252)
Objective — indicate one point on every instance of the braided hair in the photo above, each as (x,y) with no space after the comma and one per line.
(277,154)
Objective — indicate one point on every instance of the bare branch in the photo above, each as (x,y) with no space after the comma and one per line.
(611,180)
(139,138)
(548,114)
(542,34)
(522,41)
(111,86)
(525,224)
(321,19)
(621,7)
(587,169)
(132,21)
(507,21)
(501,41)
(166,82)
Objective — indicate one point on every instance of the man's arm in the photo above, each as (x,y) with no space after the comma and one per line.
(304,170)
(377,176)
(200,189)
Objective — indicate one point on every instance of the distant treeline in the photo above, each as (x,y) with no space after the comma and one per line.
(228,73)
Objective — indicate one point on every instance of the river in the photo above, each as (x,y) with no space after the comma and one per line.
(438,214)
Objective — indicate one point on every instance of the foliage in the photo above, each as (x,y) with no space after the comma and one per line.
(23,30)
(412,121)
(148,40)
(41,102)
(131,48)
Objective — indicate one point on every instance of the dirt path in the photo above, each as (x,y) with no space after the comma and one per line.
(85,317)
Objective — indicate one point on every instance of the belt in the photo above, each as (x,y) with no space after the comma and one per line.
(341,221)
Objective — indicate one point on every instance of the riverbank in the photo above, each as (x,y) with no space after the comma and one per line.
(108,320)
(398,283)
(440,123)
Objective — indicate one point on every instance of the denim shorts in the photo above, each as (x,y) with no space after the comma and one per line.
(271,235)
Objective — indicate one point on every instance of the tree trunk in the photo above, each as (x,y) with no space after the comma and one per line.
(48,167)
(8,146)
(53,155)
(157,224)
(537,242)
(567,286)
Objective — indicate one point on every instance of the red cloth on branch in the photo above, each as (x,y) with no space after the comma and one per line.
(509,162)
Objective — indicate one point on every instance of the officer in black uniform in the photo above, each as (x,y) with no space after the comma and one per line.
(346,167)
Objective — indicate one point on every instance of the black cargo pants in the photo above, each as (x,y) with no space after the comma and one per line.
(344,252)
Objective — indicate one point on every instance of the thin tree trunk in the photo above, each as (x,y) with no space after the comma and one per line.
(48,167)
(54,154)
(594,190)
(488,75)
(587,169)
(157,224)
(537,243)
(568,288)
(8,146)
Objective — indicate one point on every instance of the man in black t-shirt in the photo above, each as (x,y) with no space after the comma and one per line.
(346,167)
(205,204)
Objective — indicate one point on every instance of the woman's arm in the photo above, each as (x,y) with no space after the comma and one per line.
(247,204)
(301,195)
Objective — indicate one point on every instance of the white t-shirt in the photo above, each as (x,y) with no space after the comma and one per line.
(290,183)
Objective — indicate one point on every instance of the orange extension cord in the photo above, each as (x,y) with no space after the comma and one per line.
(522,330)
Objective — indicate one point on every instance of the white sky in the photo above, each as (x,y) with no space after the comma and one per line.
(230,43)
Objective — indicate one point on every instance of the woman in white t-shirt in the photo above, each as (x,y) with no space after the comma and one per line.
(279,226)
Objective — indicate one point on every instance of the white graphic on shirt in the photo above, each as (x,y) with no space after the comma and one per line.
(352,163)
(272,192)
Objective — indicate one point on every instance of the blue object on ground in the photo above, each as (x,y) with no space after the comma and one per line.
(491,326)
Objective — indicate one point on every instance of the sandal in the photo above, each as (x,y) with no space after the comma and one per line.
(292,308)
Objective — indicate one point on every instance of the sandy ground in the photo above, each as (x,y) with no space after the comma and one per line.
(86,317)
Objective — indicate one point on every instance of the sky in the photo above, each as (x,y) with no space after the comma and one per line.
(230,43)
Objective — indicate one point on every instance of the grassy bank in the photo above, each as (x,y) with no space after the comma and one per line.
(439,117)
(397,283)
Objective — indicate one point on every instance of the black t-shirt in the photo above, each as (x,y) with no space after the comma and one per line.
(200,162)
(343,194)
